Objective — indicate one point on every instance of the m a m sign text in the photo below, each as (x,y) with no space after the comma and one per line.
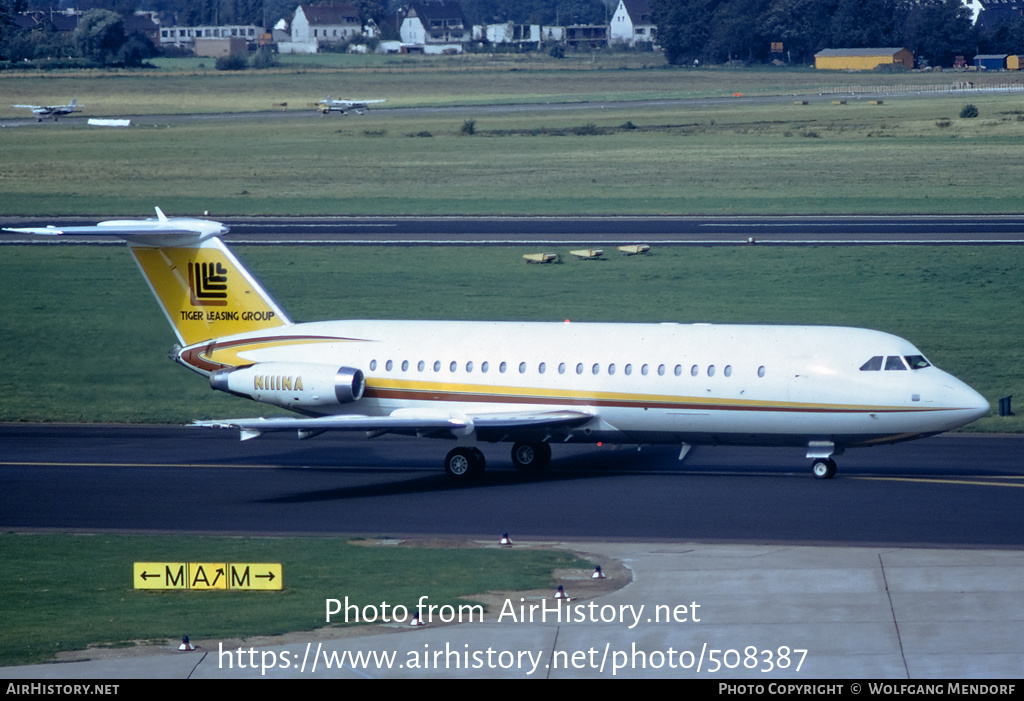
(238,576)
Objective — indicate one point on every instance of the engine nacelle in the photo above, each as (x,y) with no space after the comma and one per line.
(292,384)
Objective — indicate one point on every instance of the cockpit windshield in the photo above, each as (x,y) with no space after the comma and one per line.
(916,362)
(895,362)
(873,364)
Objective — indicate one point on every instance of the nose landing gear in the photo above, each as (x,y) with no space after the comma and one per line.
(824,468)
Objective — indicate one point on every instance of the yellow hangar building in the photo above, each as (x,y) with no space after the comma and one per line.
(862,59)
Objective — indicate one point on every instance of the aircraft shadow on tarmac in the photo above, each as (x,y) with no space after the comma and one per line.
(396,481)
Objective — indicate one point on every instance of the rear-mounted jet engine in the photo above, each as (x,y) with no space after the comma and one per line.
(292,384)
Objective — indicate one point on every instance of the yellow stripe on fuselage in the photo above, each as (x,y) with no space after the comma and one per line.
(457,392)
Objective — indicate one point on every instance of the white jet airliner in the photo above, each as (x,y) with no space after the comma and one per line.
(533,384)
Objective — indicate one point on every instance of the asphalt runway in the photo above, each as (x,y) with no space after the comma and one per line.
(950,491)
(582,231)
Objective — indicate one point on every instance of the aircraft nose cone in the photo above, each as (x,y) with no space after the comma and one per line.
(980,405)
(974,405)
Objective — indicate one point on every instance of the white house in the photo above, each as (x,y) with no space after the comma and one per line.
(435,23)
(632,23)
(508,33)
(325,24)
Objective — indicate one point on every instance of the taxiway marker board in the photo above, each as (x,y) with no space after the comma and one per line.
(198,576)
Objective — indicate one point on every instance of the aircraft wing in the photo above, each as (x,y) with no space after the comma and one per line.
(154,230)
(406,421)
(51,109)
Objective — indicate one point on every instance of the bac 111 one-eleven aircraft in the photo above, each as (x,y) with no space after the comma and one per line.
(534,384)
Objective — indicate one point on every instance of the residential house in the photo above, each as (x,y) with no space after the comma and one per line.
(508,33)
(440,22)
(323,24)
(632,23)
(992,13)
(592,36)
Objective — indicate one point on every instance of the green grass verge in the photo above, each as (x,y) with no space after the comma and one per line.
(724,156)
(85,341)
(66,592)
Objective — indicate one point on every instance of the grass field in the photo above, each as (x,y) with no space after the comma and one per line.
(633,153)
(93,347)
(66,592)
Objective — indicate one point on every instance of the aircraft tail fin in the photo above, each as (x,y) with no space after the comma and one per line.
(205,292)
(203,289)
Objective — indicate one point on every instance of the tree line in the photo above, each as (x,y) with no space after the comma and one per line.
(690,31)
(717,31)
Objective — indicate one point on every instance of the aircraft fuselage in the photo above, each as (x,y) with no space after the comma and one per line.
(644,383)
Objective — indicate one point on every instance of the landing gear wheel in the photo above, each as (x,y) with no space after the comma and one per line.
(824,468)
(464,464)
(531,456)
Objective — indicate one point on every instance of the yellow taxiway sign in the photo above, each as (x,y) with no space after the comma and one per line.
(236,576)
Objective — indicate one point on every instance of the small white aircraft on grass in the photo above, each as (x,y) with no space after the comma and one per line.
(55,111)
(328,104)
(534,384)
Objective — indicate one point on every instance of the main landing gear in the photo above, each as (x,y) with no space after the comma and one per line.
(466,463)
(531,456)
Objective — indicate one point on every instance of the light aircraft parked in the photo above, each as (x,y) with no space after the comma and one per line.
(534,384)
(329,105)
(55,111)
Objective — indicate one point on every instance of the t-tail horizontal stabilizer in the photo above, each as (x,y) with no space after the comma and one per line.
(162,231)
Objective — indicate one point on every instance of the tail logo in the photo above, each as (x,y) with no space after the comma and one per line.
(208,284)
